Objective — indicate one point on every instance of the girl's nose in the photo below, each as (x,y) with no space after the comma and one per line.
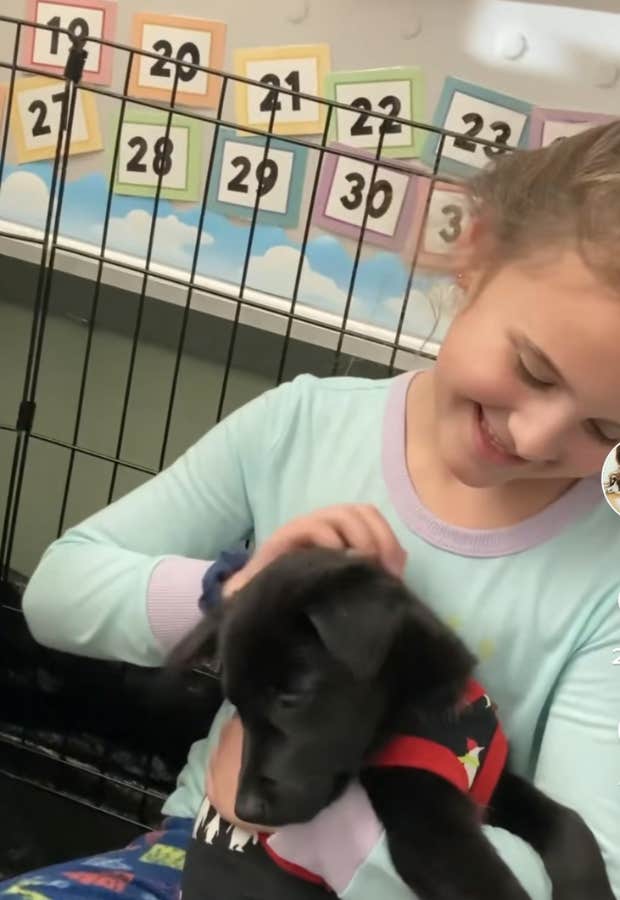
(541,429)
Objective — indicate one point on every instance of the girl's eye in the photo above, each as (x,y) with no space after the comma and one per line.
(601,436)
(530,378)
(539,383)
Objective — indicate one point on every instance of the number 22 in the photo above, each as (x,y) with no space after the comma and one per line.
(390,104)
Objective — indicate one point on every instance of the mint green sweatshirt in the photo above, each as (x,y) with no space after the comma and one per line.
(537,602)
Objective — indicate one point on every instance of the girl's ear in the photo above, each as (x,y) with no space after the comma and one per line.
(200,646)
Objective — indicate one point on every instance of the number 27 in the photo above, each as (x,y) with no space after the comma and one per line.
(616,661)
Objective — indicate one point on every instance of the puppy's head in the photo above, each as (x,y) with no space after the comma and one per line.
(316,653)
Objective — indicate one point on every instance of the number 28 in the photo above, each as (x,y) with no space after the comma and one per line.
(162,155)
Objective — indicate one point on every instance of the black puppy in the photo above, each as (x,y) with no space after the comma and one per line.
(328,659)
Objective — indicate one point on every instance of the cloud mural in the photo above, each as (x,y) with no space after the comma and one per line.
(381,277)
(173,240)
(24,199)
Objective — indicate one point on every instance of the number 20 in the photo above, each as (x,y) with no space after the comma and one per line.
(160,67)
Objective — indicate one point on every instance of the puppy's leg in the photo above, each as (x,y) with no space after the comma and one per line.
(567,846)
(435,840)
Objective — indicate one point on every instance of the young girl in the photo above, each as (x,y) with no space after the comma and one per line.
(477,480)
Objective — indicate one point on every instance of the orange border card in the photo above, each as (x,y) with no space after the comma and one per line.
(301,67)
(198,41)
(86,132)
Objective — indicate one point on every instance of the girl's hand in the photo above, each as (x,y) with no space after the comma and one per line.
(352,526)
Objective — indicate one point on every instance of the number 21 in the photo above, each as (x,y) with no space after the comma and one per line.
(271,101)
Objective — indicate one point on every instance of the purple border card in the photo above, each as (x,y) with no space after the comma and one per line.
(393,242)
(541,115)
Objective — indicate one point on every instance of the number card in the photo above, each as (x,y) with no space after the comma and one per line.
(299,68)
(397,91)
(48,50)
(475,112)
(146,152)
(345,191)
(442,228)
(196,41)
(550,125)
(35,119)
(241,171)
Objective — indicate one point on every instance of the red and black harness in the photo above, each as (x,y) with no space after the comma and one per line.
(468,748)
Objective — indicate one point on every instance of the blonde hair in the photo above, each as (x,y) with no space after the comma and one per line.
(566,195)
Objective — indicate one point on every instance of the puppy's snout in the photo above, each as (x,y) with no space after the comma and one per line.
(253,803)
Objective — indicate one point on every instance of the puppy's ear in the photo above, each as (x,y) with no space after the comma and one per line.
(358,628)
(200,646)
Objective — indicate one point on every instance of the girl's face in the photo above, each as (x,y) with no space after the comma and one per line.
(527,383)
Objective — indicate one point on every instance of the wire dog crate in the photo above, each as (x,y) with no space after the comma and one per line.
(42,740)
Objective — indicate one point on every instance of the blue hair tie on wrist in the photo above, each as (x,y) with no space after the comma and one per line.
(227,563)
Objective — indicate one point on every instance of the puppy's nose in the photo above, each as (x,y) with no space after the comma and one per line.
(251,807)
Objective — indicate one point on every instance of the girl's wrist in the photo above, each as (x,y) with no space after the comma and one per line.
(218,583)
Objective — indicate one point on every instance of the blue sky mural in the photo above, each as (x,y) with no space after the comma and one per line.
(380,283)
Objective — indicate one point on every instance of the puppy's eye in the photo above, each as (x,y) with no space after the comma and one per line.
(290,699)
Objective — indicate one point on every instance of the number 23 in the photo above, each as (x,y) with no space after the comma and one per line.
(477,124)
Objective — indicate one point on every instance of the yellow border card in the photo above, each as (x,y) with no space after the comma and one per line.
(35,119)
(198,41)
(299,68)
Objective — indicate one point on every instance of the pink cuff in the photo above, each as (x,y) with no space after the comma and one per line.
(336,842)
(172,601)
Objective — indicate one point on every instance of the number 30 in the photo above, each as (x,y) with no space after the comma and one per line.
(354,201)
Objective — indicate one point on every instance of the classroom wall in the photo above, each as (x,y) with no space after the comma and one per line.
(557,54)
